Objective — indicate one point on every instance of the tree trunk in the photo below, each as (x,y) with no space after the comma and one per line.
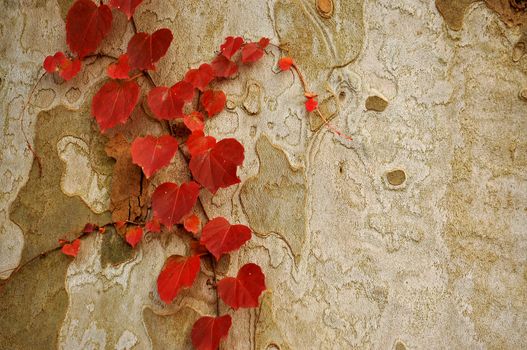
(412,235)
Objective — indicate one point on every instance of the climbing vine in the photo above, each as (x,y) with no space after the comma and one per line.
(213,164)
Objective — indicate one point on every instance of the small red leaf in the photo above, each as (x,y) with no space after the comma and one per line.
(153,225)
(144,50)
(126,6)
(200,77)
(213,101)
(220,237)
(114,103)
(252,52)
(119,70)
(164,104)
(153,153)
(172,202)
(263,42)
(198,143)
(86,25)
(134,235)
(66,68)
(285,63)
(208,332)
(192,223)
(244,290)
(231,46)
(178,272)
(223,67)
(311,104)
(194,121)
(216,167)
(72,249)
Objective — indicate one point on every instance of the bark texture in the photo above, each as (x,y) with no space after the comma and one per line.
(413,235)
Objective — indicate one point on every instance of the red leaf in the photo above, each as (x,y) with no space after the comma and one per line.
(311,104)
(198,143)
(144,50)
(252,52)
(245,289)
(89,228)
(172,202)
(164,103)
(134,235)
(194,121)
(285,63)
(231,46)
(86,25)
(120,224)
(223,67)
(66,68)
(126,6)
(153,153)
(201,77)
(178,272)
(192,223)
(216,167)
(263,42)
(153,225)
(71,249)
(220,237)
(208,332)
(119,70)
(114,103)
(183,90)
(213,101)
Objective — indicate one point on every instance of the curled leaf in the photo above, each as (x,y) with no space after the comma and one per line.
(178,272)
(192,223)
(66,68)
(194,121)
(285,63)
(311,104)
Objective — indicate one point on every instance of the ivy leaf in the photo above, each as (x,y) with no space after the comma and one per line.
(252,52)
(134,235)
(198,143)
(213,101)
(194,121)
(223,67)
(164,103)
(171,202)
(72,249)
(231,46)
(285,63)
(114,103)
(66,68)
(153,153)
(220,237)
(119,70)
(126,6)
(311,104)
(144,50)
(192,223)
(86,25)
(216,167)
(178,272)
(208,332)
(244,289)
(200,77)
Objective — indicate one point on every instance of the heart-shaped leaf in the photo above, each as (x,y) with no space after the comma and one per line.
(231,46)
(244,289)
(86,25)
(171,202)
(72,249)
(153,153)
(114,103)
(208,332)
(220,237)
(134,235)
(144,50)
(213,101)
(200,77)
(119,70)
